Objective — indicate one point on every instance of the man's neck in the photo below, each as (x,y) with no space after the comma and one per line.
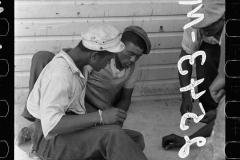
(118,64)
(79,62)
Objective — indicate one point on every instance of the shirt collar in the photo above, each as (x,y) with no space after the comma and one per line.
(116,73)
(70,62)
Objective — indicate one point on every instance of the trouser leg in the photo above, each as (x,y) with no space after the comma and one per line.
(137,137)
(208,71)
(108,141)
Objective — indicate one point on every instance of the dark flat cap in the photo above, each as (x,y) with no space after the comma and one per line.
(139,31)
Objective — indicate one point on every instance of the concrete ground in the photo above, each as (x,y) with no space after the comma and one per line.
(154,119)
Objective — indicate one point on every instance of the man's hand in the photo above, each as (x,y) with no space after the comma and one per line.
(217,95)
(114,116)
(172,141)
(217,88)
(186,106)
(210,115)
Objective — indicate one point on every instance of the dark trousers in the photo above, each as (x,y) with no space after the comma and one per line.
(99,142)
(208,71)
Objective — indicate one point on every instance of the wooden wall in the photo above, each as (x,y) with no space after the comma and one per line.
(54,24)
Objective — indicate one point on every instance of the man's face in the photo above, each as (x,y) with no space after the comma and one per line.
(129,55)
(212,29)
(101,61)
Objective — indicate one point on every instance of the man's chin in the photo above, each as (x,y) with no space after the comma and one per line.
(97,69)
(127,66)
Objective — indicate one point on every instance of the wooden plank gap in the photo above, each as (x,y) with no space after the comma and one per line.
(158,66)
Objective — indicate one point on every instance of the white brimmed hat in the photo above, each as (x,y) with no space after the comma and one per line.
(213,10)
(102,38)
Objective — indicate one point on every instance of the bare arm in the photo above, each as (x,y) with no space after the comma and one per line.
(204,131)
(72,123)
(173,140)
(125,99)
(184,81)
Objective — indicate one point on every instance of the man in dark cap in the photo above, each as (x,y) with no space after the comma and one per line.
(111,87)
(207,35)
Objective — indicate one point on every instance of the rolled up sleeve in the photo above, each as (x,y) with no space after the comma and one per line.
(187,43)
(54,103)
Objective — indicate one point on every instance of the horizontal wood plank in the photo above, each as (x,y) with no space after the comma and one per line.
(57,9)
(141,89)
(30,45)
(146,88)
(55,24)
(160,72)
(158,56)
(74,26)
(22,62)
(21,97)
(157,97)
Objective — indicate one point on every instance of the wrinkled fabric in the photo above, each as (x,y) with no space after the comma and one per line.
(96,143)
(191,46)
(59,88)
(39,61)
(103,88)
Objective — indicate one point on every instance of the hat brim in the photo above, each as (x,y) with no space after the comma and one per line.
(211,12)
(140,32)
(118,48)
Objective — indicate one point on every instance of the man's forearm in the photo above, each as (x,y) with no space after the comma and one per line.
(123,104)
(204,131)
(125,99)
(72,123)
(185,79)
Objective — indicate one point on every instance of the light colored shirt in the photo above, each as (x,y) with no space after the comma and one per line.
(116,73)
(120,76)
(59,88)
(191,47)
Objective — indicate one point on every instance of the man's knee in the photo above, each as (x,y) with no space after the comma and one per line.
(137,137)
(115,130)
(140,141)
(42,56)
(115,133)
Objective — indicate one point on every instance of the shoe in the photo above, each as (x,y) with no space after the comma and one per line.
(24,135)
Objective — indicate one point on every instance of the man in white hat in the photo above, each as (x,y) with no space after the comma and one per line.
(110,87)
(207,35)
(63,129)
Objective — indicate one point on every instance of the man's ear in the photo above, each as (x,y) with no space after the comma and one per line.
(94,55)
